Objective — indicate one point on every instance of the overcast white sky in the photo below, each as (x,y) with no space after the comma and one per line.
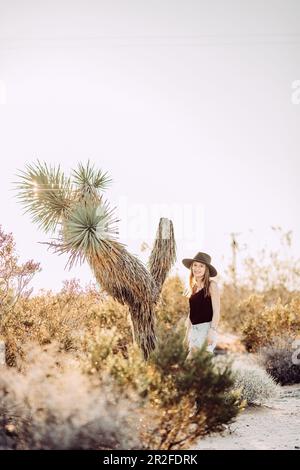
(187,104)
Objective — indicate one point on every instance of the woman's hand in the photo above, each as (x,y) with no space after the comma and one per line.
(211,337)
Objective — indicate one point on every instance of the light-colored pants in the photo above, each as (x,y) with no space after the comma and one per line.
(197,336)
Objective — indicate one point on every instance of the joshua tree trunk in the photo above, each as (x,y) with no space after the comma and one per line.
(127,280)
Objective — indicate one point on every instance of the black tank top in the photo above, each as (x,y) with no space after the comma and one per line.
(201,310)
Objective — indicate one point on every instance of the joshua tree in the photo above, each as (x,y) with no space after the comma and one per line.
(87,230)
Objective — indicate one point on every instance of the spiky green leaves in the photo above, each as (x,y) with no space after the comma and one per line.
(86,222)
(87,231)
(48,195)
(45,193)
(89,181)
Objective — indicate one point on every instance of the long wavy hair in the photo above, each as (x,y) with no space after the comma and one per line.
(193,284)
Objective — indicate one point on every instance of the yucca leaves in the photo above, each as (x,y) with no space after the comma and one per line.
(87,231)
(48,195)
(89,181)
(45,193)
(86,221)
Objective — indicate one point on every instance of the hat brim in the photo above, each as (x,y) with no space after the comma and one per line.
(187,262)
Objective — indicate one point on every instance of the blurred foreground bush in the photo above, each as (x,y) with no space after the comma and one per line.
(169,388)
(46,402)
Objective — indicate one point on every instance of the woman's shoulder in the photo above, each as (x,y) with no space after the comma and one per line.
(213,285)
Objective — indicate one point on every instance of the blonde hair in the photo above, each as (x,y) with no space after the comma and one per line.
(193,284)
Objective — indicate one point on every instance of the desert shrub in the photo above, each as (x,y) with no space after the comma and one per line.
(75,312)
(168,387)
(65,317)
(231,296)
(262,323)
(281,360)
(235,305)
(14,277)
(255,385)
(46,402)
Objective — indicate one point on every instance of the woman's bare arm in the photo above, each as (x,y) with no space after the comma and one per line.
(187,326)
(215,300)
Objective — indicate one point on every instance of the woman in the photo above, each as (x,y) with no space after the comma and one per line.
(204,299)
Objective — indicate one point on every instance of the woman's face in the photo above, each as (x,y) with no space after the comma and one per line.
(198,269)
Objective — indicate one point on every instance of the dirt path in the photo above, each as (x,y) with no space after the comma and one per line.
(276,426)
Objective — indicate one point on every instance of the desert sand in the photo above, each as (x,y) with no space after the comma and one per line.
(273,426)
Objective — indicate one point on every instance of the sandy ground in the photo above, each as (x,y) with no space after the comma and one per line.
(275,426)
(272,427)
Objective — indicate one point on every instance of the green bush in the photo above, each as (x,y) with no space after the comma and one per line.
(169,386)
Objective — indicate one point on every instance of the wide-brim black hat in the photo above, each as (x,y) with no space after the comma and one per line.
(201,258)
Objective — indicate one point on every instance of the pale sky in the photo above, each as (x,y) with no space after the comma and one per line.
(188,105)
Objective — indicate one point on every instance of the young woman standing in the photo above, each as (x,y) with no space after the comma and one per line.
(204,300)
